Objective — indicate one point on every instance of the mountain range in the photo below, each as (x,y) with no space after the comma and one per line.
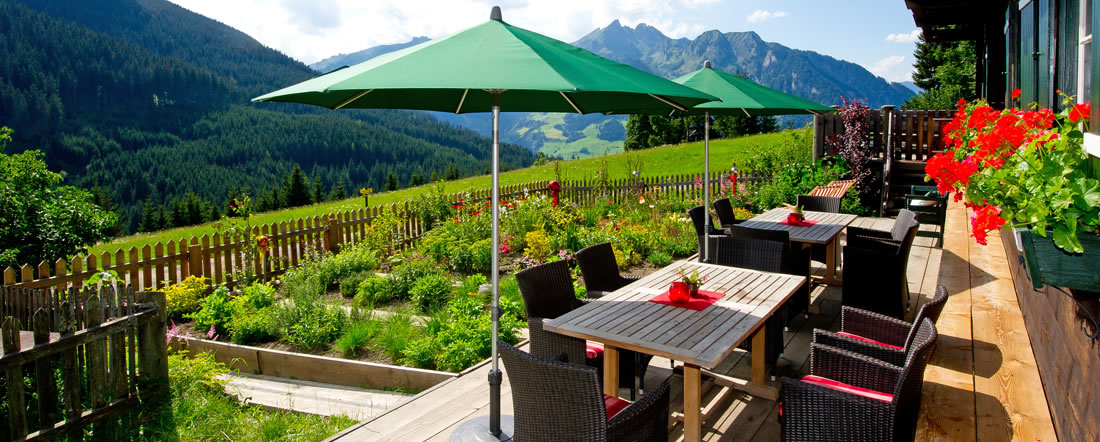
(806,74)
(145,102)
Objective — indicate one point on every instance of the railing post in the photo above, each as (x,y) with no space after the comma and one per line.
(194,260)
(332,235)
(153,348)
(887,157)
(819,136)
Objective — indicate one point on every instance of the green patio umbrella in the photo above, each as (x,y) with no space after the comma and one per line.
(493,67)
(739,96)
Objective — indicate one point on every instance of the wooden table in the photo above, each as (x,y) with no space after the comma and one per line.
(825,232)
(701,339)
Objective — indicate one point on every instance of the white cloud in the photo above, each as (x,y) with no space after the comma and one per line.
(311,30)
(761,15)
(911,37)
(891,68)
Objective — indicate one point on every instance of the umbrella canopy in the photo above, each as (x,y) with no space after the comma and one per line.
(743,96)
(492,67)
(460,72)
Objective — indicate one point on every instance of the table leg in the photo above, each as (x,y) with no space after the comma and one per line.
(759,372)
(693,422)
(610,371)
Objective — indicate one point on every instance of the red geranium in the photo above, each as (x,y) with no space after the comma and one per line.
(984,219)
(1015,94)
(1080,112)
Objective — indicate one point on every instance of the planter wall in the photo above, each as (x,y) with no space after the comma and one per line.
(312,368)
(1068,362)
(1047,264)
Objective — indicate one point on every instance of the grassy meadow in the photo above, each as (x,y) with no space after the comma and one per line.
(664,160)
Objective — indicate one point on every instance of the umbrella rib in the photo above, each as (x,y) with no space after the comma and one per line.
(461,101)
(353,98)
(570,101)
(746,111)
(668,102)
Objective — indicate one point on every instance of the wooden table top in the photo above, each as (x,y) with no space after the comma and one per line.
(626,319)
(828,224)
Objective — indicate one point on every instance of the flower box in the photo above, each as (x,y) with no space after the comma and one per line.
(1049,265)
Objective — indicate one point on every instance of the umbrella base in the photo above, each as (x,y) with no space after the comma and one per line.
(477,430)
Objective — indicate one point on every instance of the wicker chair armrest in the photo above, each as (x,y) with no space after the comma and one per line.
(553,345)
(869,244)
(860,231)
(813,412)
(645,419)
(630,279)
(853,368)
(596,294)
(889,355)
(873,325)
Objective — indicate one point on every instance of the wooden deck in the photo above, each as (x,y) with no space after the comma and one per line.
(982,383)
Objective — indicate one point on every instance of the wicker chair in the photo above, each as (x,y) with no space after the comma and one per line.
(867,399)
(696,214)
(797,263)
(812,203)
(555,401)
(930,207)
(765,256)
(547,292)
(880,337)
(600,271)
(724,210)
(875,265)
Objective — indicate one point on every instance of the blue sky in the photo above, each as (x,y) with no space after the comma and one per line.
(877,34)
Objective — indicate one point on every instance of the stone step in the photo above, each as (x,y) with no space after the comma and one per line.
(311,397)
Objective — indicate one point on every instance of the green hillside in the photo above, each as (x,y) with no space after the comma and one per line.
(664,160)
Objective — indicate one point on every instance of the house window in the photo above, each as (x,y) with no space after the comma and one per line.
(1084,53)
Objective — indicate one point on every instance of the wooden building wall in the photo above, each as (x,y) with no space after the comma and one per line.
(1069,364)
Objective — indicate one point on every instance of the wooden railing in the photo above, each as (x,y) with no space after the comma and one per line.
(219,257)
(112,337)
(916,134)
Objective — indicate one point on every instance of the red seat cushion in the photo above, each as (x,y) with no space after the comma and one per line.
(861,338)
(614,405)
(593,350)
(850,389)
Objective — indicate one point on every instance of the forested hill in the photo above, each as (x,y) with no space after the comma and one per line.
(145,102)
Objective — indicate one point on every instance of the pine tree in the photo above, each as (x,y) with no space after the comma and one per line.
(338,192)
(318,191)
(638,131)
(435,177)
(295,188)
(417,179)
(150,217)
(391,181)
(452,172)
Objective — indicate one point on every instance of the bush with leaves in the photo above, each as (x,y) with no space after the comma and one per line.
(254,326)
(184,297)
(854,145)
(349,285)
(309,326)
(214,312)
(463,338)
(375,290)
(431,292)
(433,206)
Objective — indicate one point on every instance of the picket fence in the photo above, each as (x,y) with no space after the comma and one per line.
(218,257)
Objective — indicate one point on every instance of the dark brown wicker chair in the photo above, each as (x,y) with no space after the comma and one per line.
(765,256)
(797,263)
(858,326)
(812,203)
(696,214)
(555,401)
(547,292)
(724,210)
(811,411)
(600,271)
(875,265)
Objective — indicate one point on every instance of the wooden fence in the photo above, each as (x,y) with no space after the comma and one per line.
(219,257)
(112,337)
(914,135)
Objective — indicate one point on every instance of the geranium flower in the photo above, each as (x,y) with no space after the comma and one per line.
(984,219)
(1080,112)
(1016,94)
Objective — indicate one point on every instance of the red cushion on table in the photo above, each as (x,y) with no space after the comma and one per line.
(850,389)
(593,350)
(614,405)
(861,338)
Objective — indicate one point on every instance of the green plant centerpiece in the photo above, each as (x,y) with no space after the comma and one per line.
(692,279)
(1027,169)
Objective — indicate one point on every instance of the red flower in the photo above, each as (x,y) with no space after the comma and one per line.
(983,220)
(1016,94)
(1080,112)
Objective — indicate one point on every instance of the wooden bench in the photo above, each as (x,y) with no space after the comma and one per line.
(835,188)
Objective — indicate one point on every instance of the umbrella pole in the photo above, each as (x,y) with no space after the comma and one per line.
(706,187)
(494,373)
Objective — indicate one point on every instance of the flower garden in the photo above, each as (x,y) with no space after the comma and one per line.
(420,305)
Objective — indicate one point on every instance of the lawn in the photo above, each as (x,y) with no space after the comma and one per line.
(658,161)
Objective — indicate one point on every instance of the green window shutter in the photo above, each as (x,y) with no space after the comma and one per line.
(1043,87)
(1027,49)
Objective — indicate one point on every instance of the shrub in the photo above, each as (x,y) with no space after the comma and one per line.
(472,283)
(431,292)
(660,259)
(357,337)
(252,326)
(433,206)
(215,311)
(511,300)
(184,297)
(463,339)
(375,289)
(349,286)
(538,244)
(255,296)
(311,326)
